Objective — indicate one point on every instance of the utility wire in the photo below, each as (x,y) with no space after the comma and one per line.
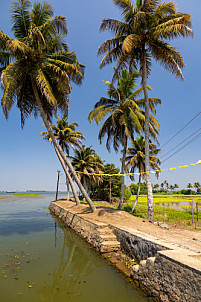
(180,143)
(195,138)
(180,130)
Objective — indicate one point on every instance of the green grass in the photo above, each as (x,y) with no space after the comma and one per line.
(167,214)
(25,195)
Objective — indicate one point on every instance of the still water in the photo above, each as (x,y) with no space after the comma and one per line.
(42,261)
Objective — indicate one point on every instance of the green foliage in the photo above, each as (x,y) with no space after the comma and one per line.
(37,61)
(134,187)
(89,164)
(147,28)
(188,192)
(127,195)
(102,191)
(65,134)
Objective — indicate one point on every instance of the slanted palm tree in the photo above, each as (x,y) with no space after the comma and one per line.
(37,67)
(88,165)
(67,137)
(136,160)
(125,116)
(143,34)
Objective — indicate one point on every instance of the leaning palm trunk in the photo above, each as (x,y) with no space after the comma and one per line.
(122,172)
(138,193)
(68,177)
(59,149)
(146,131)
(68,189)
(85,186)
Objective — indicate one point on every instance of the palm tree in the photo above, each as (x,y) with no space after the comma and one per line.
(176,186)
(156,187)
(88,165)
(125,116)
(66,136)
(37,67)
(136,159)
(166,184)
(196,185)
(143,34)
(189,185)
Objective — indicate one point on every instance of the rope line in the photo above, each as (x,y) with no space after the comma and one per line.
(137,173)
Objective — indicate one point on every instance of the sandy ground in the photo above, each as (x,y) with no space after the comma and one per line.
(188,239)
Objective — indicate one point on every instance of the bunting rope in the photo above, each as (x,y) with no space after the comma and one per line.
(137,173)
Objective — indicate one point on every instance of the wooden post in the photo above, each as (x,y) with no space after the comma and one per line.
(57,184)
(192,212)
(197,211)
(110,191)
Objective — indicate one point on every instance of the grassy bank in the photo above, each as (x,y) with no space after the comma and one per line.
(167,214)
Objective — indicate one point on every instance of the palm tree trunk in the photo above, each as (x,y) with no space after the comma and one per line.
(85,186)
(122,172)
(138,193)
(68,189)
(146,131)
(68,176)
(61,152)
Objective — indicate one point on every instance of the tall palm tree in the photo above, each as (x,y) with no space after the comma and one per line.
(143,34)
(189,185)
(176,186)
(136,160)
(88,165)
(125,116)
(37,67)
(67,137)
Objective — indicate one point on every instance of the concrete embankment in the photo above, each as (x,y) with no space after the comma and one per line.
(164,270)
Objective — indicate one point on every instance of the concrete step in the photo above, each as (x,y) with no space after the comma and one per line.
(109,246)
(107,237)
(105,230)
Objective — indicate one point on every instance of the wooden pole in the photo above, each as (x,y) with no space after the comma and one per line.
(110,191)
(192,212)
(197,212)
(57,184)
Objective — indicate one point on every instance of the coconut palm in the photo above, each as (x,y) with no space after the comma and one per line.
(88,165)
(189,185)
(196,185)
(67,137)
(135,159)
(125,116)
(156,186)
(143,34)
(37,67)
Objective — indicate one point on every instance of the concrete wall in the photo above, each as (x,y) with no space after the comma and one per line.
(164,270)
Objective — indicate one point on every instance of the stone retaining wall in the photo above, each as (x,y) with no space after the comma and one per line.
(97,234)
(167,272)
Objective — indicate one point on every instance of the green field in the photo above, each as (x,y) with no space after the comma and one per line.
(168,214)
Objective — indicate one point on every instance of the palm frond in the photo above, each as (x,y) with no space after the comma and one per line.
(20,17)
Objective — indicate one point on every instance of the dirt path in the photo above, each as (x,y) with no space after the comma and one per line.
(187,239)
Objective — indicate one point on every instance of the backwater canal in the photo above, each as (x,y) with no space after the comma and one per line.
(42,261)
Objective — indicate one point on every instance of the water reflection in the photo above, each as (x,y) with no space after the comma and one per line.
(43,261)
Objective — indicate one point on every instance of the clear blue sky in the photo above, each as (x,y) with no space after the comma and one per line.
(27,162)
